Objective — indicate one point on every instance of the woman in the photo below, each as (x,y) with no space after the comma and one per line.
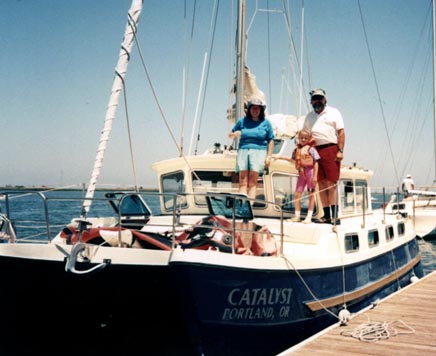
(256,146)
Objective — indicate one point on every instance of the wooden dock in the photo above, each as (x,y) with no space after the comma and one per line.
(414,305)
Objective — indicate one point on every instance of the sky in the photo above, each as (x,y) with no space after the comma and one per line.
(373,58)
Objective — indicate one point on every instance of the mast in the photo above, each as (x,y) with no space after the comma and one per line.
(117,87)
(434,81)
(240,59)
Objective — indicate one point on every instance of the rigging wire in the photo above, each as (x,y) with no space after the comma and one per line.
(301,60)
(297,66)
(426,72)
(126,110)
(407,152)
(411,150)
(129,134)
(413,131)
(161,111)
(378,93)
(231,109)
(292,48)
(186,74)
(212,33)
(199,97)
(309,69)
(269,53)
(433,12)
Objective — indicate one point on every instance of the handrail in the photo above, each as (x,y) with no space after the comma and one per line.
(54,216)
(26,193)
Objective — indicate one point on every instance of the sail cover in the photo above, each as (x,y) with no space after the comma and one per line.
(250,87)
(250,90)
(286,126)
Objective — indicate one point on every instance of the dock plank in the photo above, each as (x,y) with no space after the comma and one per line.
(414,305)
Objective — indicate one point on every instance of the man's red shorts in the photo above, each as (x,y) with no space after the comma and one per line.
(328,167)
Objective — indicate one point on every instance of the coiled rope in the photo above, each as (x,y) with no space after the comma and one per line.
(377,330)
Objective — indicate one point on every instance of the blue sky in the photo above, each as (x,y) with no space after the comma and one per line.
(57,69)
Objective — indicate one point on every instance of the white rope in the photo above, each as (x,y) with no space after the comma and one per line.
(307,287)
(377,330)
(344,314)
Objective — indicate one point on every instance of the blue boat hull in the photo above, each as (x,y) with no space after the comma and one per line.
(263,312)
(181,308)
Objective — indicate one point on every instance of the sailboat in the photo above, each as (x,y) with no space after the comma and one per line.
(420,207)
(420,204)
(214,273)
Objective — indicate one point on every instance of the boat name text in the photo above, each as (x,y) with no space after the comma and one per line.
(259,296)
(258,304)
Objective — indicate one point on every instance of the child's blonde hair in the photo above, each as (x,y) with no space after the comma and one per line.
(306,131)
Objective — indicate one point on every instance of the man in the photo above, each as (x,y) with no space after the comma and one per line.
(327,127)
(407,185)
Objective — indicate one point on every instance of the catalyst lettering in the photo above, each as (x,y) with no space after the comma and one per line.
(259,296)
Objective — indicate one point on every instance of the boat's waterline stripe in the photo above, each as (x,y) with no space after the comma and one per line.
(331,302)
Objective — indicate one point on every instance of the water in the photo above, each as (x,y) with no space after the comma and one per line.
(28,213)
(428,251)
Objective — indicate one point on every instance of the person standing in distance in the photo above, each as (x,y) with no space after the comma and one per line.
(256,145)
(407,185)
(327,127)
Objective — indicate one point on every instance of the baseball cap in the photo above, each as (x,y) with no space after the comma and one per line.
(319,92)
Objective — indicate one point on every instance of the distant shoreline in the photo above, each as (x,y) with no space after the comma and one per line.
(44,188)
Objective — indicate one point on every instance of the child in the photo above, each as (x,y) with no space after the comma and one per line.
(306,162)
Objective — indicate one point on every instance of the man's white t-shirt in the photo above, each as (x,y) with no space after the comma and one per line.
(408,184)
(324,126)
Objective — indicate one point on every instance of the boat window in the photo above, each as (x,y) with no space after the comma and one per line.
(278,144)
(131,204)
(389,232)
(361,195)
(221,182)
(260,194)
(131,207)
(401,206)
(373,238)
(173,183)
(283,191)
(347,198)
(230,206)
(354,195)
(401,229)
(213,181)
(351,242)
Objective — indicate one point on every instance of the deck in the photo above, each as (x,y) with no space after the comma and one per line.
(414,305)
